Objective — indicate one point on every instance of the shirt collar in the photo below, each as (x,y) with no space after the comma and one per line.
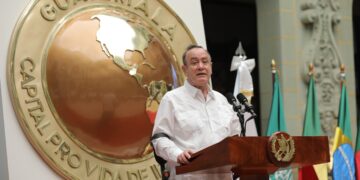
(194,91)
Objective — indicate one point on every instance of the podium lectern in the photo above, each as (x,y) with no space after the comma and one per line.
(249,156)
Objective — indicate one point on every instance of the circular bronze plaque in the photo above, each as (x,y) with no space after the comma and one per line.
(86,78)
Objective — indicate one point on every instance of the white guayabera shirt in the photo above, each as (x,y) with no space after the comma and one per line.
(194,123)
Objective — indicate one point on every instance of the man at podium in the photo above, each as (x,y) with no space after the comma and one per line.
(193,116)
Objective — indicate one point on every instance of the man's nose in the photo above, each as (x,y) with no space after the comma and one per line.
(201,65)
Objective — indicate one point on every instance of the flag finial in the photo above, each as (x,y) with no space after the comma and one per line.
(342,72)
(311,69)
(273,66)
(342,68)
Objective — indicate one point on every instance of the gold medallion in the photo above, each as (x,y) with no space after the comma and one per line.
(86,79)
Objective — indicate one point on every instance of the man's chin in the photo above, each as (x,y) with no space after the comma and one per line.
(202,82)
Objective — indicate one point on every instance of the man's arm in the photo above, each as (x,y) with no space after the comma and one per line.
(164,123)
(166,149)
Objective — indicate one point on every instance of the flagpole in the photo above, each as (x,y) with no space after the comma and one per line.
(343,152)
(312,127)
(277,119)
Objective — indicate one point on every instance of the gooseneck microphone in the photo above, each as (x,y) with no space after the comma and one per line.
(231,99)
(248,107)
(237,108)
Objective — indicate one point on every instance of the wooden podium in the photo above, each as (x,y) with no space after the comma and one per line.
(249,156)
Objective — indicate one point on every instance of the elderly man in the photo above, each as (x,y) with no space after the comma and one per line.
(193,116)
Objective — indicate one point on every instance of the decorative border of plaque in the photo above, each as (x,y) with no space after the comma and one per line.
(26,76)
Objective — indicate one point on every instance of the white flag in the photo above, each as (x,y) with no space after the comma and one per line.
(243,83)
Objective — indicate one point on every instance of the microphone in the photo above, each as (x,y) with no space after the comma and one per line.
(231,99)
(248,107)
(237,108)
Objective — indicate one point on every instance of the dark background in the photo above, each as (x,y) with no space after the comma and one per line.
(356,22)
(226,23)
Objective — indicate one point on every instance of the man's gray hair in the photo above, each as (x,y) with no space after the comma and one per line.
(190,47)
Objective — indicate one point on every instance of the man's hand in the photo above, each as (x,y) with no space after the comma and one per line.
(184,157)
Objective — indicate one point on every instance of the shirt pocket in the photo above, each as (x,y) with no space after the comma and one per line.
(222,122)
(189,121)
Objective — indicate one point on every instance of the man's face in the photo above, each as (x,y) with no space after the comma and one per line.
(198,67)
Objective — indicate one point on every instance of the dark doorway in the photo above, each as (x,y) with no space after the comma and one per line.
(227,22)
(356,25)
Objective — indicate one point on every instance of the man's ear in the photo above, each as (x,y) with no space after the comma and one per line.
(183,67)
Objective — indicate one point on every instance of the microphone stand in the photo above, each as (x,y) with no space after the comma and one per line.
(242,124)
(240,114)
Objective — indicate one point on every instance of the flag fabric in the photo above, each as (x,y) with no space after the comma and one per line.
(343,153)
(357,150)
(277,123)
(277,118)
(312,127)
(244,83)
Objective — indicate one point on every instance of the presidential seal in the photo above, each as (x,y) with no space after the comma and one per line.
(86,79)
(281,149)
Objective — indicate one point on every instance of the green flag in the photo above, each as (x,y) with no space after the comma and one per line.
(277,123)
(344,113)
(343,129)
(277,119)
(343,151)
(312,127)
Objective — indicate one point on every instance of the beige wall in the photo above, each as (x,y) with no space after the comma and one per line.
(286,34)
